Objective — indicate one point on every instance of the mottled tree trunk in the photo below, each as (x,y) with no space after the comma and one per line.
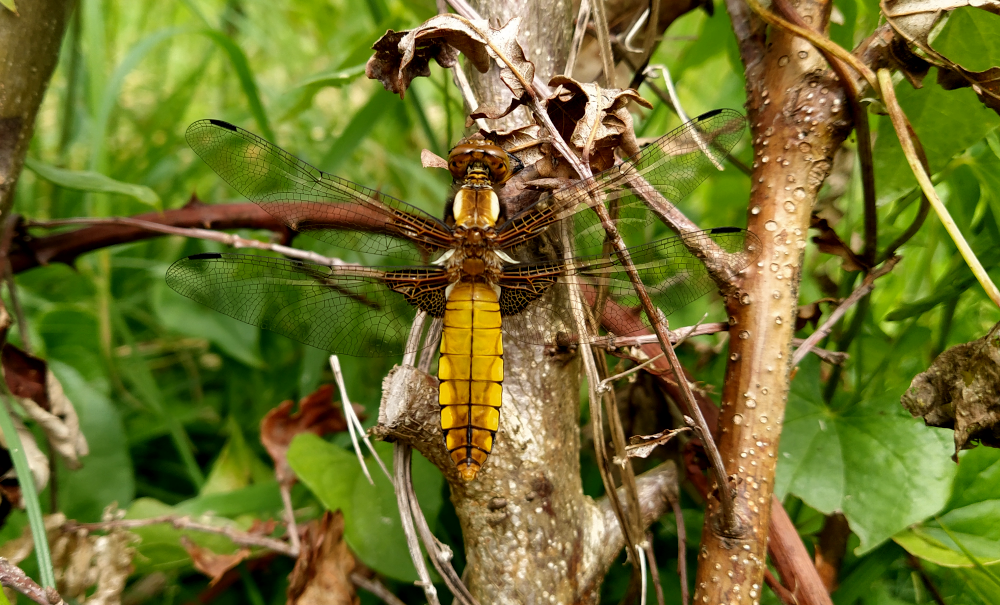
(798,118)
(29,51)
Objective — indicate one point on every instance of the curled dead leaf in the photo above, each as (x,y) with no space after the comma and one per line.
(401,56)
(316,415)
(322,574)
(914,21)
(595,120)
(212,564)
(961,391)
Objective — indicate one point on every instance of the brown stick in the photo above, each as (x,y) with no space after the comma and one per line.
(792,560)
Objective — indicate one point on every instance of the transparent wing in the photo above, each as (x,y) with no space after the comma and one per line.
(671,167)
(310,201)
(673,275)
(346,309)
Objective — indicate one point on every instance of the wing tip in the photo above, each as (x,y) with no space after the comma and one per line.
(721,230)
(205,256)
(222,124)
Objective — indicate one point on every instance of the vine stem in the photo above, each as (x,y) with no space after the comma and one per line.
(899,122)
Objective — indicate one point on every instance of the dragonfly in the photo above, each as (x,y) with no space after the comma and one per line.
(489,272)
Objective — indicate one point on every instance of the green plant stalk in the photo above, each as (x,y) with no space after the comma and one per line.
(899,123)
(27,483)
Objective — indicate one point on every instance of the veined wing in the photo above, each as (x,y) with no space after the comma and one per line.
(311,201)
(346,309)
(673,166)
(672,274)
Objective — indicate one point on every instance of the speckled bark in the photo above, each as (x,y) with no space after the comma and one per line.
(546,31)
(531,536)
(29,50)
(798,119)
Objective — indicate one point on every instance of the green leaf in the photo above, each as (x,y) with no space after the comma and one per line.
(970,515)
(947,123)
(970,38)
(371,520)
(160,548)
(236,466)
(357,129)
(86,180)
(106,475)
(865,457)
(9,5)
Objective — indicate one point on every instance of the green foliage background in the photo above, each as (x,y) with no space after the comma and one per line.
(170,395)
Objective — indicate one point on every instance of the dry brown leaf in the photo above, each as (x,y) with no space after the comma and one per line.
(914,21)
(316,415)
(402,56)
(828,241)
(429,159)
(961,391)
(522,142)
(322,574)
(213,564)
(595,120)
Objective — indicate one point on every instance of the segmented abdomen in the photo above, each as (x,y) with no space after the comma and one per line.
(471,370)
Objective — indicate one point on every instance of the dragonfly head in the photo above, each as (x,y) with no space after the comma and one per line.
(479,163)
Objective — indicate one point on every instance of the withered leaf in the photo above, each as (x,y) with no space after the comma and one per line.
(429,159)
(322,574)
(595,120)
(402,56)
(316,415)
(212,564)
(961,391)
(914,21)
(828,241)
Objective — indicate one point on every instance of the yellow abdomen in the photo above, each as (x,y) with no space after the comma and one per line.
(471,370)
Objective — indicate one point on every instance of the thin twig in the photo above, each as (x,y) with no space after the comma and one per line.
(604,385)
(860,292)
(377,588)
(293,529)
(401,456)
(468,95)
(676,103)
(642,572)
(682,569)
(785,595)
(440,555)
(238,537)
(905,236)
(579,31)
(14,577)
(654,571)
(354,427)
(906,140)
(216,236)
(600,15)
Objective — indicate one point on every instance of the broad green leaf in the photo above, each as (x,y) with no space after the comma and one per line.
(947,123)
(95,182)
(236,466)
(970,515)
(865,457)
(260,499)
(160,546)
(371,520)
(106,474)
(970,38)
